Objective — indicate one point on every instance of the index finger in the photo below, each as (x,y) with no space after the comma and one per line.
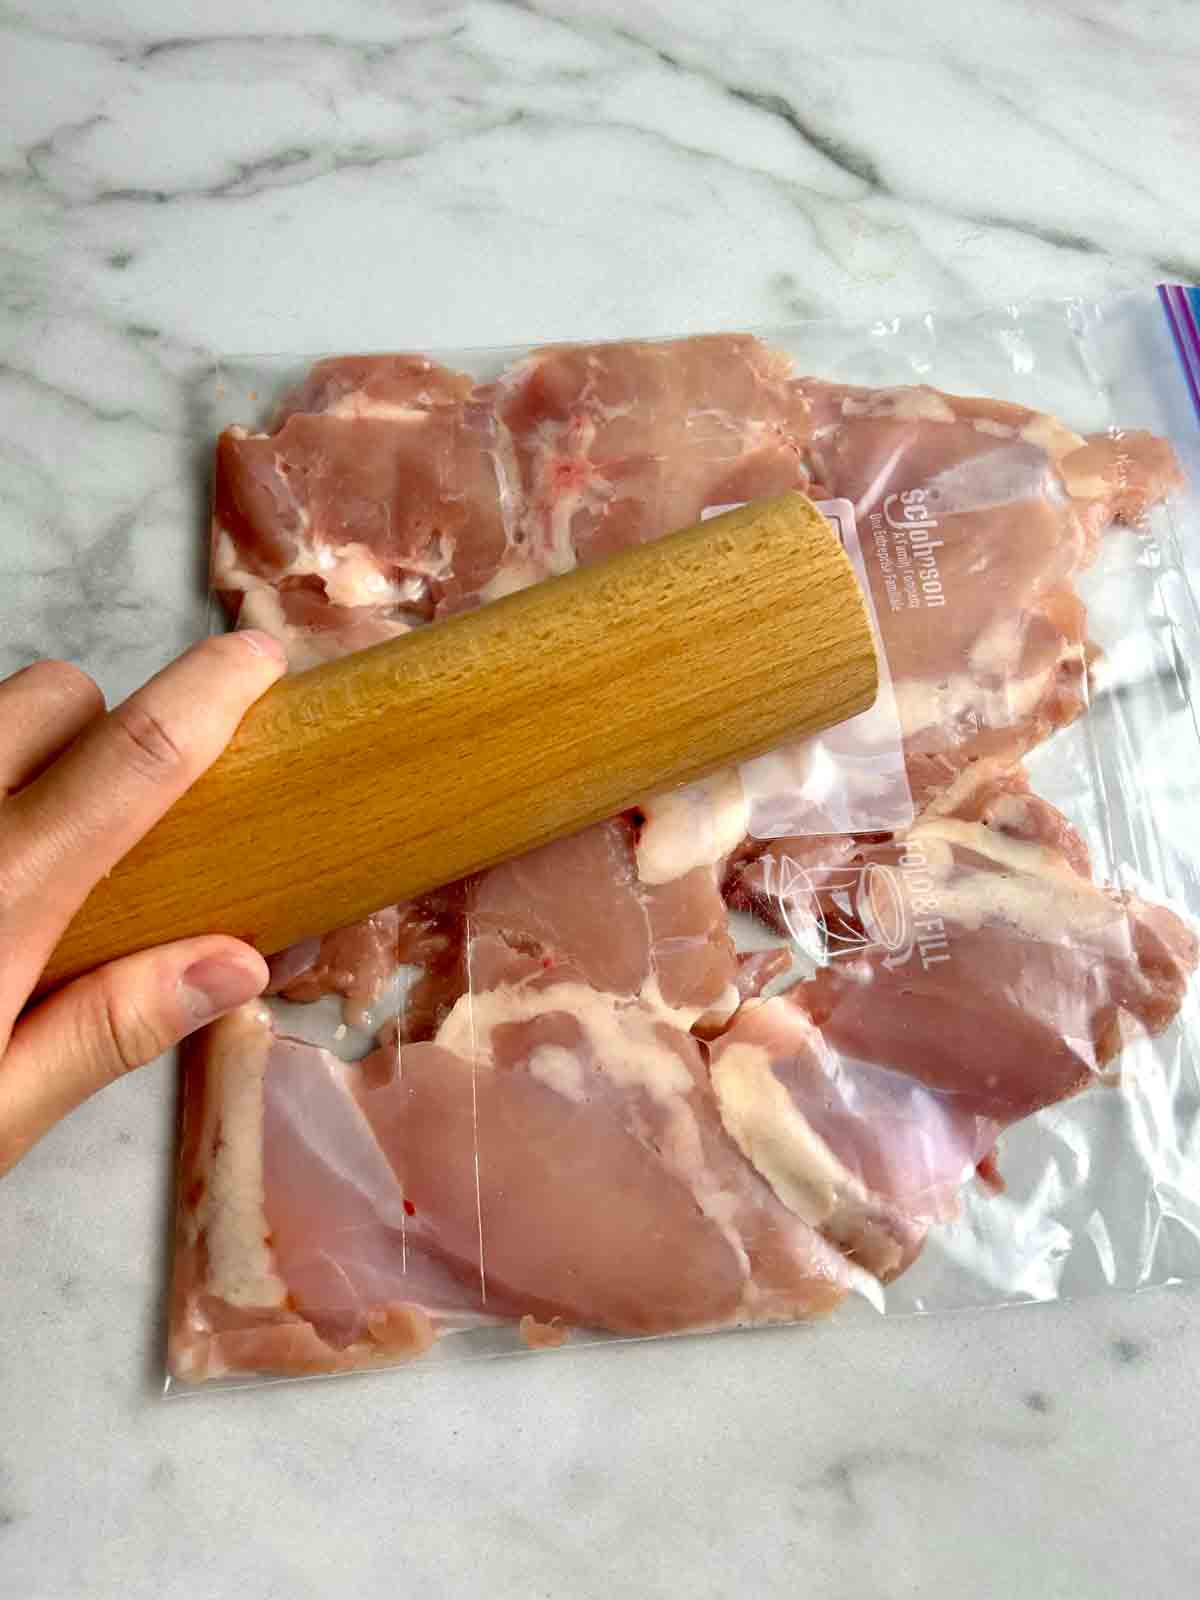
(69,827)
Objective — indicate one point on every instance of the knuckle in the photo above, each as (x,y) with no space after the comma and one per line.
(20,882)
(125,1036)
(149,744)
(223,652)
(60,679)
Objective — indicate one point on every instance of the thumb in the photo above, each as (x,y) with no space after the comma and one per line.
(112,1020)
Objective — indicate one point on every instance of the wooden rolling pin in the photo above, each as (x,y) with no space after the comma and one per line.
(367,780)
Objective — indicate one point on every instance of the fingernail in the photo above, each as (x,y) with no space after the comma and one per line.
(217,984)
(263,643)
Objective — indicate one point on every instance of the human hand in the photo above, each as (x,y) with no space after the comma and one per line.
(78,788)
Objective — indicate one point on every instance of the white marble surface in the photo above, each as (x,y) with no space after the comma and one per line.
(292,175)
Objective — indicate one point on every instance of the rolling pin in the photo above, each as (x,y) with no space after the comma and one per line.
(367,780)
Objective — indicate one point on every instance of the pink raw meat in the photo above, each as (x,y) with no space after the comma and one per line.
(975,954)
(354,962)
(617,444)
(585,1114)
(360,513)
(549,1088)
(867,1155)
(1014,983)
(989,509)
(616,931)
(376,499)
(336,1215)
(289,1252)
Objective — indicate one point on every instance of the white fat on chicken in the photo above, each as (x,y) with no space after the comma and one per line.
(553,515)
(358,407)
(350,573)
(965,786)
(559,1069)
(761,1118)
(913,404)
(1029,888)
(718,1010)
(623,1036)
(232,1211)
(695,826)
(1051,435)
(997,647)
(927,703)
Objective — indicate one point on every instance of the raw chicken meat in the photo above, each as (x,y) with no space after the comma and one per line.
(974,953)
(587,1112)
(617,444)
(390,490)
(971,974)
(1011,980)
(285,1257)
(975,516)
(556,1156)
(865,1154)
(376,499)
(354,962)
(344,1214)
(424,938)
(328,535)
(619,933)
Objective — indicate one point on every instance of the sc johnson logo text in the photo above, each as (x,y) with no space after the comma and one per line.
(908,514)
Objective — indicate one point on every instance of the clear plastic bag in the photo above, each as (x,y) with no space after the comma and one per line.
(900,1018)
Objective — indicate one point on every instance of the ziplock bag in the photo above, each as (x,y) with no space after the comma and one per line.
(900,1017)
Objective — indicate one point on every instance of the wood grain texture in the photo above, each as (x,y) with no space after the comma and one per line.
(367,780)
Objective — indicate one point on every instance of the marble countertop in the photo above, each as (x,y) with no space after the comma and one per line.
(269,177)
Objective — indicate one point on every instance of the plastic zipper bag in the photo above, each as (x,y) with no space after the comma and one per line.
(900,1017)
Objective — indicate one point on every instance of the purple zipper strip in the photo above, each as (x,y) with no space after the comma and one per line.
(1181,320)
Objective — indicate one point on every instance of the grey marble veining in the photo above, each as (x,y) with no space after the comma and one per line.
(209,178)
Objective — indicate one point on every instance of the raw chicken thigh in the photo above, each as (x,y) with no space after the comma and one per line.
(602,1104)
(976,515)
